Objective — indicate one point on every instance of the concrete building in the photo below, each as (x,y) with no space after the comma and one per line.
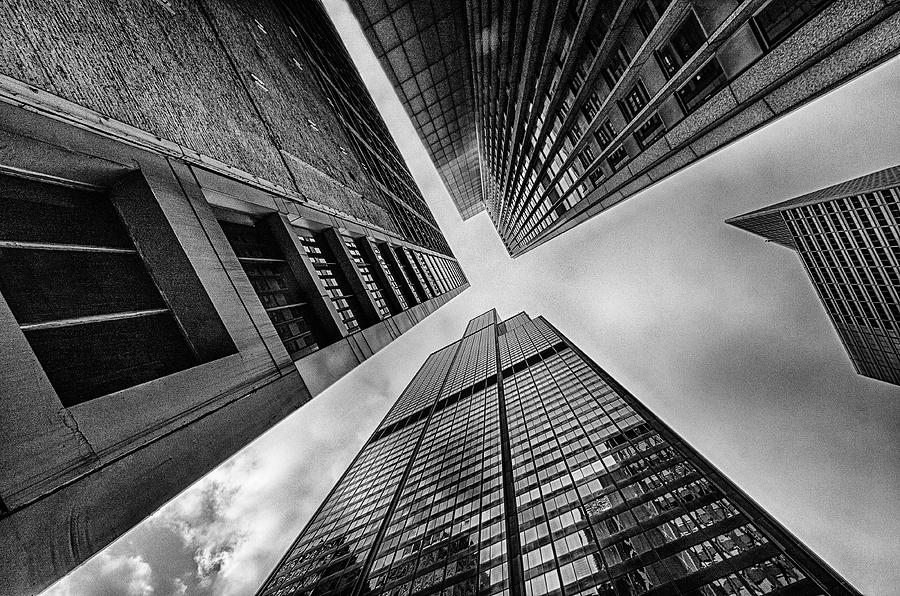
(512,464)
(547,113)
(848,237)
(203,224)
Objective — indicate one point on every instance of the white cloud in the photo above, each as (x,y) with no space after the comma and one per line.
(108,575)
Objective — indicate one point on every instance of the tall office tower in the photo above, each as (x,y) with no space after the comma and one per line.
(547,113)
(203,223)
(512,464)
(848,237)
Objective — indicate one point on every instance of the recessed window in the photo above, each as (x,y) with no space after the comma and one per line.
(81,293)
(617,158)
(616,65)
(604,134)
(393,277)
(333,279)
(685,41)
(634,101)
(780,18)
(649,12)
(700,87)
(271,277)
(367,270)
(649,131)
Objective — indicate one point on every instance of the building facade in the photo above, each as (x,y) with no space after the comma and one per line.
(547,113)
(203,224)
(848,237)
(512,464)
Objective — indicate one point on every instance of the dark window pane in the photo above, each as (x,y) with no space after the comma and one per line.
(634,101)
(274,284)
(48,285)
(616,65)
(648,13)
(605,134)
(702,85)
(39,212)
(617,158)
(649,131)
(781,17)
(70,278)
(686,40)
(94,359)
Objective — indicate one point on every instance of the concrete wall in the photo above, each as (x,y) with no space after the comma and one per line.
(843,41)
(224,79)
(73,479)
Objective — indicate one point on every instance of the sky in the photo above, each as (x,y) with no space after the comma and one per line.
(718,332)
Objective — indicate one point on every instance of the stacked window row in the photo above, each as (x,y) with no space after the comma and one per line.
(289,309)
(329,556)
(475,361)
(333,279)
(605,504)
(587,133)
(425,387)
(81,293)
(379,251)
(264,263)
(524,341)
(369,279)
(851,249)
(448,532)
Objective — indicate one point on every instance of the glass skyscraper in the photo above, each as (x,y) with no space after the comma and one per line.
(512,464)
(545,114)
(848,237)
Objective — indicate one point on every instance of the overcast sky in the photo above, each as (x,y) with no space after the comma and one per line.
(718,332)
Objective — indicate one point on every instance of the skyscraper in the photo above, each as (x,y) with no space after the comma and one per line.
(203,223)
(848,237)
(547,113)
(512,464)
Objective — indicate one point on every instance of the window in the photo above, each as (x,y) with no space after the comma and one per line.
(709,79)
(617,158)
(333,279)
(396,275)
(649,131)
(586,157)
(264,263)
(367,271)
(780,18)
(649,12)
(605,134)
(81,293)
(616,65)
(634,101)
(685,41)
(592,106)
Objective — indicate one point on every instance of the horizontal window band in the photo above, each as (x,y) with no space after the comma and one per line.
(298,336)
(286,306)
(260,260)
(65,247)
(118,316)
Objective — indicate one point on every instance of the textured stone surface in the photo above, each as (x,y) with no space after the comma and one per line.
(221,78)
(656,151)
(747,119)
(825,28)
(717,106)
(672,163)
(636,185)
(846,62)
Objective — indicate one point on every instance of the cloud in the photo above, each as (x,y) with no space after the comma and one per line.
(108,575)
